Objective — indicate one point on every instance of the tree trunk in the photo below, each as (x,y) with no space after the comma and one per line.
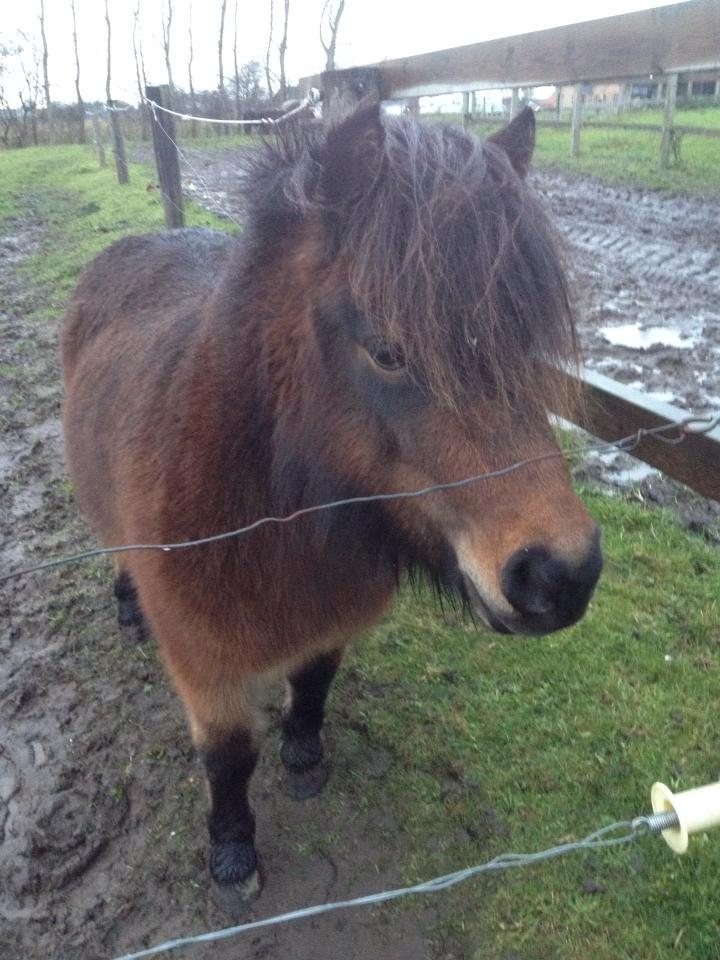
(140,74)
(46,79)
(221,75)
(108,95)
(283,49)
(268,72)
(166,25)
(333,26)
(235,64)
(81,105)
(193,99)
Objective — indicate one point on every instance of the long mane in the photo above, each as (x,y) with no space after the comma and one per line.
(450,255)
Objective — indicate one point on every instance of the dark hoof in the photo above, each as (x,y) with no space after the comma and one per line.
(303,784)
(233,862)
(236,899)
(235,870)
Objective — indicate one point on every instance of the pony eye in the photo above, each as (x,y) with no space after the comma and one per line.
(386,356)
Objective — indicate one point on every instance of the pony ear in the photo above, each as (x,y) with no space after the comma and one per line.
(351,155)
(517,139)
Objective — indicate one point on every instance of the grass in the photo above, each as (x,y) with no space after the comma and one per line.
(632,157)
(516,744)
(496,743)
(705,116)
(82,207)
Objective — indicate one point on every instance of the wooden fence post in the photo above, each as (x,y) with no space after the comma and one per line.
(466,115)
(342,90)
(97,137)
(576,121)
(667,130)
(166,158)
(121,166)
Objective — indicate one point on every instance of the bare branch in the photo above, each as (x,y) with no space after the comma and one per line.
(267,53)
(331,17)
(81,105)
(108,95)
(166,25)
(283,49)
(46,80)
(221,75)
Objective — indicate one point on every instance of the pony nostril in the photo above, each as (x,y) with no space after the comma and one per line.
(539,584)
(529,580)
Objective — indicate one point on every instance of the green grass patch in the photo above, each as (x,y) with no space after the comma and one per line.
(490,743)
(628,157)
(632,157)
(703,116)
(83,208)
(516,744)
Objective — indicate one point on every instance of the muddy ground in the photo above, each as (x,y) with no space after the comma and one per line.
(101,802)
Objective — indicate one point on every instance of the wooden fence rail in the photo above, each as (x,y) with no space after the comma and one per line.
(660,43)
(611,410)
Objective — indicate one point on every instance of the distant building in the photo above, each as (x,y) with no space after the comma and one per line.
(642,90)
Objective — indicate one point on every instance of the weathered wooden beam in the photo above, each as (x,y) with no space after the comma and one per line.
(342,90)
(680,37)
(668,114)
(121,167)
(576,125)
(612,410)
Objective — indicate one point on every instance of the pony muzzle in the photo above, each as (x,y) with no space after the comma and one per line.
(538,590)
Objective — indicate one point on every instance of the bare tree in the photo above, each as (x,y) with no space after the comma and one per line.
(81,105)
(30,60)
(191,88)
(283,49)
(249,77)
(140,74)
(166,25)
(118,145)
(46,79)
(108,95)
(221,75)
(329,25)
(268,72)
(235,64)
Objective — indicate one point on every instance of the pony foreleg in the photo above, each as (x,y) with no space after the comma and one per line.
(226,728)
(229,763)
(302,749)
(130,614)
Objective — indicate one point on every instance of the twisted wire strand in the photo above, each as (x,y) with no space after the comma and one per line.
(626,830)
(306,101)
(700,425)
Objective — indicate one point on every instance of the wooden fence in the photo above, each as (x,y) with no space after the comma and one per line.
(683,38)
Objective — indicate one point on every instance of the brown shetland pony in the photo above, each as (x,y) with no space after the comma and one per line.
(386,322)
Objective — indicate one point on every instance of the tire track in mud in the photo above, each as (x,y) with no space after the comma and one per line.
(651,260)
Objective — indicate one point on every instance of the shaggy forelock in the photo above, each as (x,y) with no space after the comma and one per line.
(449,254)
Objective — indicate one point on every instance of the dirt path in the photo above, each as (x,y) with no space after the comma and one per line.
(101,802)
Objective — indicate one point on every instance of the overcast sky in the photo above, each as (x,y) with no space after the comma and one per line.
(371,30)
